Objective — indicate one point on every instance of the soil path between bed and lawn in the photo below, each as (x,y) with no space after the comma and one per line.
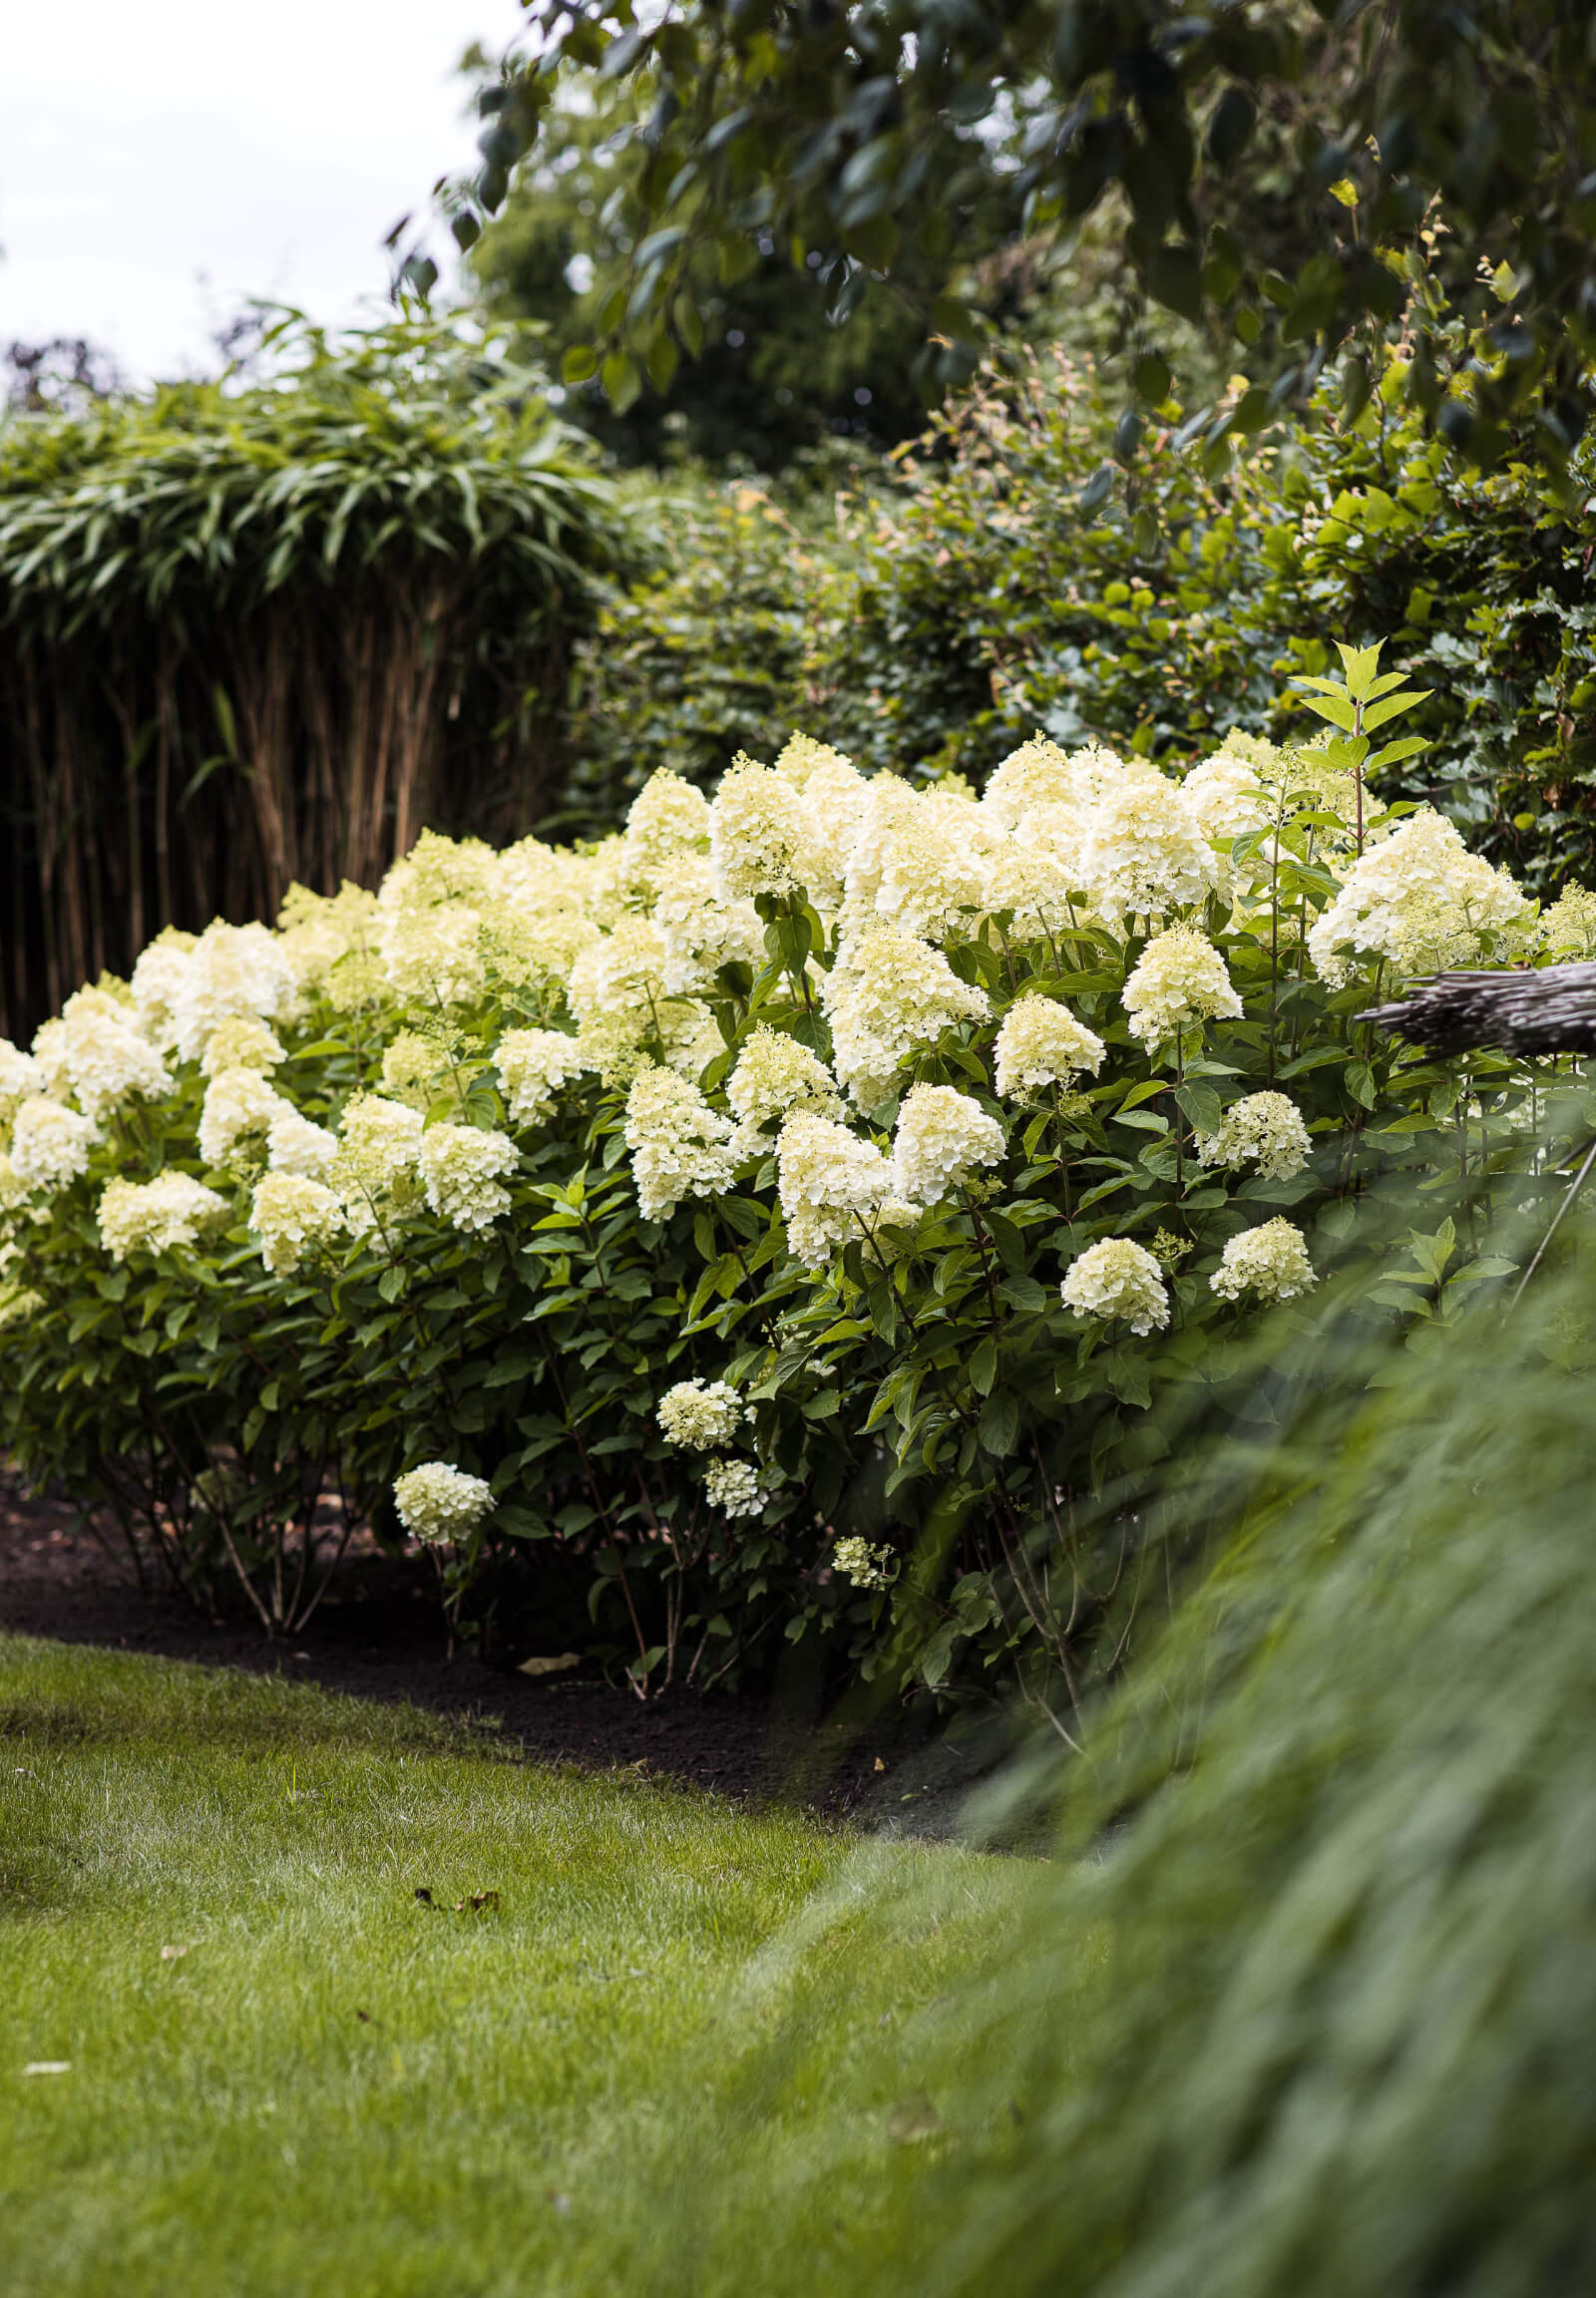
(380,1638)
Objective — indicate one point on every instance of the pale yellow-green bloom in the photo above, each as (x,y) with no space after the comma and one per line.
(154,1216)
(1178,981)
(1118,1279)
(294,1217)
(679,1144)
(1041,1044)
(1263,1129)
(461,1169)
(1271,1261)
(438,1504)
(943,1137)
(700,1415)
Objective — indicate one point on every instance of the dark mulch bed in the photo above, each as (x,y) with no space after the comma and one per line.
(379,1637)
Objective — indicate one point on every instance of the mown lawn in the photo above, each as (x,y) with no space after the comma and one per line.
(286,2071)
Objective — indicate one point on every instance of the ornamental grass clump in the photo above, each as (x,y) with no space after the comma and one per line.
(964,1163)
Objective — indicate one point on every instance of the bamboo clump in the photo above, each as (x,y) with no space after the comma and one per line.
(255,636)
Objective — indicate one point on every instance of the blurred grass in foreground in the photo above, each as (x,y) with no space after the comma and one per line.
(1309,2003)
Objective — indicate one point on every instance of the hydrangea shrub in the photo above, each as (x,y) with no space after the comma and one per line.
(801,1211)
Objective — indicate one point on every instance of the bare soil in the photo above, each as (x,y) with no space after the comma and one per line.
(379,1637)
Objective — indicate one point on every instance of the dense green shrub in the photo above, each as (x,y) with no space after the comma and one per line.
(819,1094)
(701,655)
(262,629)
(1010,585)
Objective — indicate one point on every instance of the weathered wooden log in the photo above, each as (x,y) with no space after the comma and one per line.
(1552,1011)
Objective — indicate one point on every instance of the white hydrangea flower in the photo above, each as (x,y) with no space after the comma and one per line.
(775,1074)
(438,1503)
(1145,852)
(679,1144)
(866,1563)
(1037,774)
(933,876)
(668,819)
(12,1192)
(412,1066)
(294,1144)
(1179,981)
(232,973)
(1041,1044)
(801,758)
(942,1136)
(379,1155)
(887,995)
(329,940)
(887,804)
(154,1216)
(620,979)
(1422,870)
(1117,1279)
(826,1179)
(533,1064)
(1225,797)
(50,1143)
(1265,1129)
(95,1052)
(439,870)
(702,933)
(434,957)
(294,1216)
(21,1076)
(692,1040)
(1271,1261)
(238,1106)
(734,1489)
(242,1044)
(158,978)
(701,1415)
(461,1167)
(835,797)
(1039,873)
(1567,931)
(760,833)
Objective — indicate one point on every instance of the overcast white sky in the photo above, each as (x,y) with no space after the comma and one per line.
(162,161)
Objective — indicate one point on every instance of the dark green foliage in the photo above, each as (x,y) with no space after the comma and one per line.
(701,656)
(252,634)
(986,599)
(877,129)
(770,363)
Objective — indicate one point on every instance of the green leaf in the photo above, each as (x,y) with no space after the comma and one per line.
(1000,1423)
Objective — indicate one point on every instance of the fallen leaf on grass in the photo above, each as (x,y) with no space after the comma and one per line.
(913,2117)
(48,2067)
(173,1954)
(546,1664)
